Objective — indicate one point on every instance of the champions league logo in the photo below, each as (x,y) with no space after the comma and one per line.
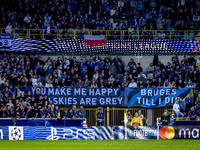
(16,133)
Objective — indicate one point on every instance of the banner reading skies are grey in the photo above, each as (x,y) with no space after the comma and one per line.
(83,96)
(154,97)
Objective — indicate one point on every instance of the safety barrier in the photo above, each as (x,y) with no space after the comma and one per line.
(91,116)
(157,113)
(109,34)
(113,116)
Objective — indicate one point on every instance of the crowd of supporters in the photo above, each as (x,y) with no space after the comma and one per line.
(130,15)
(19,72)
(182,108)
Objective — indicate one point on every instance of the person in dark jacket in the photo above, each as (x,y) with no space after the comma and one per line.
(155,60)
(120,70)
(70,114)
(41,73)
(62,83)
(180,84)
(165,119)
(29,112)
(65,114)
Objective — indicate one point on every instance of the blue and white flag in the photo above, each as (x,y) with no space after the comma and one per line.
(154,97)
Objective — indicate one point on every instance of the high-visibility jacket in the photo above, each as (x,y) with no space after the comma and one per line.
(136,121)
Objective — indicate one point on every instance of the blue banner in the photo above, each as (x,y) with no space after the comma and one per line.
(94,97)
(91,97)
(78,133)
(154,97)
(4,133)
(63,133)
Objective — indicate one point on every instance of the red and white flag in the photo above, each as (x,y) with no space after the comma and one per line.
(94,40)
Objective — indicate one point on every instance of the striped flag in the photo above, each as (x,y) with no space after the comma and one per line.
(94,40)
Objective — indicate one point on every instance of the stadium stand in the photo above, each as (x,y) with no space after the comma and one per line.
(99,70)
(79,16)
(72,19)
(19,72)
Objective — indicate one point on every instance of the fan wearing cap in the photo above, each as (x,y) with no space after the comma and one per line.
(136,121)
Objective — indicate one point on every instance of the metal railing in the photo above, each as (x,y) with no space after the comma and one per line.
(116,115)
(90,115)
(157,113)
(109,34)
